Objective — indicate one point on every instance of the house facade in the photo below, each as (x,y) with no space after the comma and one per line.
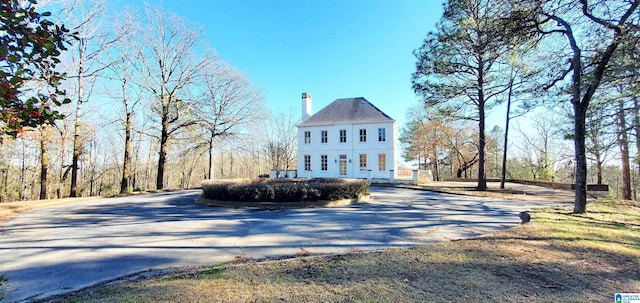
(349,138)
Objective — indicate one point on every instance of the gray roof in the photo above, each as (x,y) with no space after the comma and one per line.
(349,110)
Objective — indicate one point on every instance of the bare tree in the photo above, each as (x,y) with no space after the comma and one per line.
(130,102)
(538,145)
(281,146)
(129,96)
(230,103)
(462,148)
(86,18)
(166,59)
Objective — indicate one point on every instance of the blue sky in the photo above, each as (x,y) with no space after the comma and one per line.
(328,48)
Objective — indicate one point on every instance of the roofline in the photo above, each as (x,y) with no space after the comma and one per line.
(391,121)
(384,119)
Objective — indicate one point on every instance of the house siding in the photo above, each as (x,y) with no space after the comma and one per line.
(353,148)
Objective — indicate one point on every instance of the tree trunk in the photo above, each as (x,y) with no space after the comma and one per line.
(636,114)
(92,169)
(623,142)
(231,165)
(126,165)
(210,166)
(5,187)
(73,192)
(503,175)
(162,159)
(599,170)
(435,163)
(23,174)
(482,181)
(44,165)
(164,138)
(146,179)
(580,203)
(221,164)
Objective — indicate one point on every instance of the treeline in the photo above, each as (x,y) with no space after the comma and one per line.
(151,106)
(577,58)
(539,149)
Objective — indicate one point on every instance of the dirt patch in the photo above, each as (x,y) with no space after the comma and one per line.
(10,209)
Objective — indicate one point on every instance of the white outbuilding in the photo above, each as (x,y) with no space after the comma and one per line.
(349,138)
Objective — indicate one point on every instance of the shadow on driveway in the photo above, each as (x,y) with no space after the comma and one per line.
(65,248)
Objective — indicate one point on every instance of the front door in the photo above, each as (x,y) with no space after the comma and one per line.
(343,165)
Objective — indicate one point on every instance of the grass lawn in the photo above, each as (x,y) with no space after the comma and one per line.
(558,257)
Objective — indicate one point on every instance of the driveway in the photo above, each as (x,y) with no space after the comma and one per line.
(60,249)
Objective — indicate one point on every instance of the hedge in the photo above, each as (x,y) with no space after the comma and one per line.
(284,190)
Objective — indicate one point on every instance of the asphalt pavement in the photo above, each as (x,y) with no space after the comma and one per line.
(65,248)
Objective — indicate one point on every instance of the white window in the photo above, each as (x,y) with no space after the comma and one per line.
(307,137)
(343,135)
(307,162)
(323,136)
(363,135)
(382,162)
(323,162)
(363,162)
(382,134)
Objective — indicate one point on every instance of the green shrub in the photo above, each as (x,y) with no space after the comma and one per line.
(284,190)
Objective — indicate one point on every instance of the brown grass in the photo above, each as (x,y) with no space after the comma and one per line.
(558,257)
(10,209)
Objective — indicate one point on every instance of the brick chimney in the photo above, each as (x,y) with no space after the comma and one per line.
(306,106)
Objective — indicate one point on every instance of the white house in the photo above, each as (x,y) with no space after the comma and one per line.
(349,138)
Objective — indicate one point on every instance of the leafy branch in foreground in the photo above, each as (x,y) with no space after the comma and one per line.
(29,82)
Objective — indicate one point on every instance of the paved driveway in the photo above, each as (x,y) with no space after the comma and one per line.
(65,248)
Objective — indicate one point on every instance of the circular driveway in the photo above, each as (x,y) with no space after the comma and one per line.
(60,249)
